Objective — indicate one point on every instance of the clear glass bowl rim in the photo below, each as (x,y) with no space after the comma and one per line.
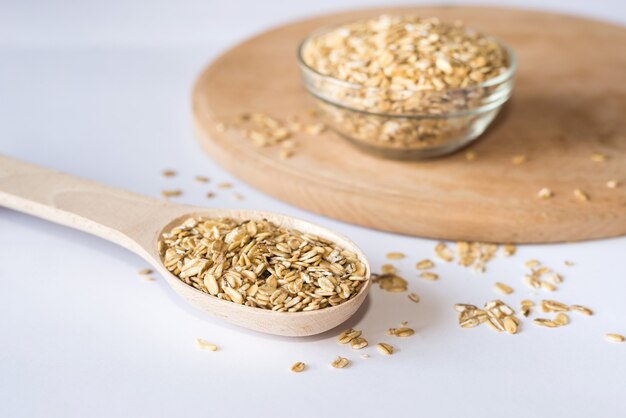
(505,76)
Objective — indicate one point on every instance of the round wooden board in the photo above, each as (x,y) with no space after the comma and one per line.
(569,102)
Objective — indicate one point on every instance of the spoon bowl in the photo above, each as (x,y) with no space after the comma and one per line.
(137,222)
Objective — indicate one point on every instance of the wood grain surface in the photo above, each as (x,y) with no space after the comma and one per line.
(569,101)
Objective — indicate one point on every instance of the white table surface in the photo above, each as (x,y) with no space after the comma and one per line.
(101,90)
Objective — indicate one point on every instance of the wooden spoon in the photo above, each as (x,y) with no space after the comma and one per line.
(136,223)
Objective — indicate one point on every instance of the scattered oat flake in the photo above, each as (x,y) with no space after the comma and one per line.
(171,193)
(403,332)
(553,306)
(543,322)
(502,288)
(225,185)
(314,129)
(427,275)
(462,307)
(238,196)
(210,195)
(470,155)
(582,309)
(545,193)
(510,325)
(561,319)
(201,179)
(568,263)
(598,157)
(395,256)
(340,363)
(580,195)
(205,345)
(424,264)
(365,356)
(414,297)
(391,283)
(358,343)
(348,335)
(556,278)
(547,286)
(388,269)
(297,367)
(442,251)
(532,281)
(615,338)
(145,272)
(312,112)
(518,159)
(168,173)
(612,184)
(495,324)
(478,267)
(149,278)
(385,348)
(541,271)
(531,263)
(509,250)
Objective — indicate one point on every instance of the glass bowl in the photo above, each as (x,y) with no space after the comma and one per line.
(407,124)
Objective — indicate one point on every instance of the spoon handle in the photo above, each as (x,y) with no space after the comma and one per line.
(128,219)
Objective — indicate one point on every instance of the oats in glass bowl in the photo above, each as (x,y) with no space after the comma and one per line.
(405,86)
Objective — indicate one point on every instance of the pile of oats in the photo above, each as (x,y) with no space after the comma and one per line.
(401,65)
(406,53)
(258,264)
(474,255)
(561,318)
(263,130)
(501,317)
(497,314)
(541,277)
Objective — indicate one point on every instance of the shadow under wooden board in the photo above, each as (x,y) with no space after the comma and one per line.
(569,102)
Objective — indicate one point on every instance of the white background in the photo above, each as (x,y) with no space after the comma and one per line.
(101,90)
